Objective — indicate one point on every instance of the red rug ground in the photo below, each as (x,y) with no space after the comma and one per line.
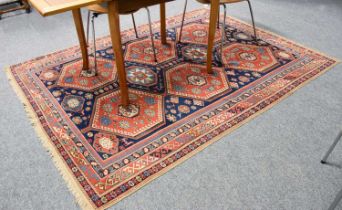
(106,152)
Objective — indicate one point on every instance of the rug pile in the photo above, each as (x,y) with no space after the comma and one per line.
(105,151)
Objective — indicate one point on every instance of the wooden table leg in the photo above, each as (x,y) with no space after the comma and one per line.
(115,35)
(214,9)
(76,13)
(162,23)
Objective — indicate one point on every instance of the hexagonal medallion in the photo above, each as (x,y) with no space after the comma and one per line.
(72,76)
(248,57)
(141,76)
(193,81)
(141,51)
(106,143)
(197,33)
(144,114)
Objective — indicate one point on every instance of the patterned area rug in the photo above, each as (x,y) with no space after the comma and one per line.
(106,152)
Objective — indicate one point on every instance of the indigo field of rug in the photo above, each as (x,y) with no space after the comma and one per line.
(106,152)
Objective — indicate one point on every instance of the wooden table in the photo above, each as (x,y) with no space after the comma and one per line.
(51,7)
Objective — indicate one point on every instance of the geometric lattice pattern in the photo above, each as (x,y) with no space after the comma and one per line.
(176,107)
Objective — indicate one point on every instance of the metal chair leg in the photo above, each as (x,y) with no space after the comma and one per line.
(181,29)
(135,27)
(94,40)
(336,200)
(151,34)
(252,16)
(223,35)
(338,138)
(88,22)
(218,19)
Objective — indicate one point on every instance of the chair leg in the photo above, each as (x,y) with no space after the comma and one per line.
(218,20)
(135,27)
(252,16)
(223,35)
(338,138)
(183,17)
(336,200)
(94,40)
(88,22)
(151,34)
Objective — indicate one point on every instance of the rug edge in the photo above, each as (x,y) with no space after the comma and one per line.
(258,29)
(72,184)
(63,169)
(219,137)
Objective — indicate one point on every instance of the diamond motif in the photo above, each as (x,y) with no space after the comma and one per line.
(193,52)
(141,76)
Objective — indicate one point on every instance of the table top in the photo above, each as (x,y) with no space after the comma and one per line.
(52,7)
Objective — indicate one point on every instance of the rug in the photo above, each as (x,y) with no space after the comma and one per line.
(105,151)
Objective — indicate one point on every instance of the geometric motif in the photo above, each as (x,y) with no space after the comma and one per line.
(106,143)
(141,76)
(141,51)
(196,33)
(193,81)
(72,103)
(112,150)
(145,112)
(248,57)
(195,52)
(71,75)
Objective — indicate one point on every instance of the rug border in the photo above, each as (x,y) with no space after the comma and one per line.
(260,29)
(73,185)
(216,138)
